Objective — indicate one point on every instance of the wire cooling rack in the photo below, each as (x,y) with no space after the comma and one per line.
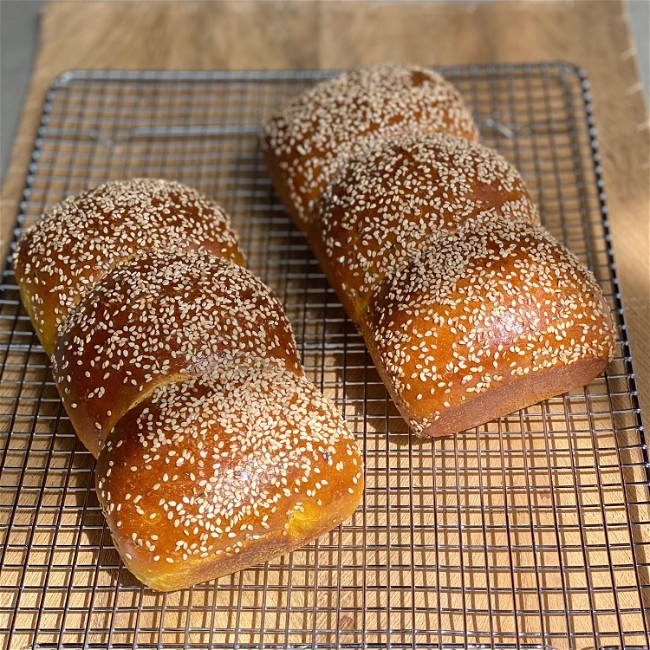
(529,532)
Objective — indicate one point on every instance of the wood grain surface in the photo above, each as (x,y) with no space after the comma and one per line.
(324,35)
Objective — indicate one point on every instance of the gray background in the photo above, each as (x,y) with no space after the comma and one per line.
(19,28)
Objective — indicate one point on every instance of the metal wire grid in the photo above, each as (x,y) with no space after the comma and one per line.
(528,532)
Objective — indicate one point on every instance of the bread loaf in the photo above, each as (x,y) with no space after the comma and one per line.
(469,308)
(179,372)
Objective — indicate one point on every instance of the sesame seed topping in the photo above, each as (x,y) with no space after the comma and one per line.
(392,200)
(318,131)
(495,299)
(80,240)
(158,315)
(264,428)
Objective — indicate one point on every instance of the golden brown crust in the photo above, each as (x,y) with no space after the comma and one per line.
(162,315)
(481,309)
(224,471)
(80,240)
(179,371)
(513,395)
(392,201)
(316,133)
(468,308)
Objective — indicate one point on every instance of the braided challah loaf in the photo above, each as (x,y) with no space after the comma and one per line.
(179,372)
(468,307)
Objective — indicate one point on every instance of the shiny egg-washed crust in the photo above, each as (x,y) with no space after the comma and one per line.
(469,309)
(319,130)
(493,317)
(179,371)
(225,471)
(392,201)
(80,240)
(161,315)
